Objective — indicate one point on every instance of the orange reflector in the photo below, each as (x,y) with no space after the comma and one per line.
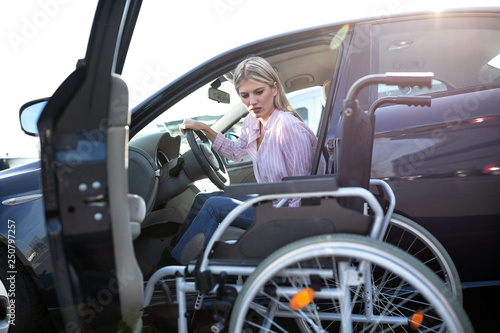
(416,320)
(302,299)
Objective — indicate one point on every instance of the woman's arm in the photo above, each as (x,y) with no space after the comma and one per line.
(233,150)
(198,126)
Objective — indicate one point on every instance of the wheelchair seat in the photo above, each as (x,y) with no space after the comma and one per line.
(275,227)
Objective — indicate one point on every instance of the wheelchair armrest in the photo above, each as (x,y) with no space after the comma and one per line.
(287,185)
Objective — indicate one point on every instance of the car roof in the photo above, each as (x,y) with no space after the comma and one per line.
(312,66)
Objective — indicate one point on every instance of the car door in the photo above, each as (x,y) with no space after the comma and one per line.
(442,160)
(83,181)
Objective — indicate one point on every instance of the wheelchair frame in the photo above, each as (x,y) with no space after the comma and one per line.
(361,256)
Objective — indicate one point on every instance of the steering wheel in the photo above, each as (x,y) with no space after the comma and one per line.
(209,160)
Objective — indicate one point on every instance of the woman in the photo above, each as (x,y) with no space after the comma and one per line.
(279,142)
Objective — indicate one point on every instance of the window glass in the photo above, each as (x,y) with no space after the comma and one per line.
(196,106)
(309,105)
(385,90)
(457,50)
(199,107)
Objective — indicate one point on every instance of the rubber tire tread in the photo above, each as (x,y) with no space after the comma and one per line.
(429,275)
(449,261)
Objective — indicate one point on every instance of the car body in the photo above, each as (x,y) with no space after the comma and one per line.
(442,161)
(12,162)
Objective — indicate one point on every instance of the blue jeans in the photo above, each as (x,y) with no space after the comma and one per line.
(198,202)
(207,219)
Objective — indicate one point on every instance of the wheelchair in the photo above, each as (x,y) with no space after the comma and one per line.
(328,265)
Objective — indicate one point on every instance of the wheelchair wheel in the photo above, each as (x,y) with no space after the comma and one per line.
(345,283)
(421,244)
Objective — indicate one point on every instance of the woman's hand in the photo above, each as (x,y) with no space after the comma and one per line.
(193,125)
(198,126)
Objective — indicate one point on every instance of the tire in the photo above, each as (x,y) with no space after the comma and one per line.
(384,287)
(30,311)
(421,244)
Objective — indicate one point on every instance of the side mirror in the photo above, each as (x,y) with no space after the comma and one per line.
(29,114)
(218,95)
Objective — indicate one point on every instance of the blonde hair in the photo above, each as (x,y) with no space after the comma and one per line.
(258,69)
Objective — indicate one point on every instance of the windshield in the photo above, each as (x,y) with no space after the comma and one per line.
(195,106)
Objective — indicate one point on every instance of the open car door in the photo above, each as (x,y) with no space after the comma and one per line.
(83,134)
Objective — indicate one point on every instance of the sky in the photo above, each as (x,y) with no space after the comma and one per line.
(41,41)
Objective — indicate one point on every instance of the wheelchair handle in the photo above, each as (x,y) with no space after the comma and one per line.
(358,128)
(404,79)
(407,100)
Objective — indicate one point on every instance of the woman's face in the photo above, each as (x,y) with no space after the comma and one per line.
(258,98)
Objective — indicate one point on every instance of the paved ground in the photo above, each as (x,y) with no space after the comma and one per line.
(481,304)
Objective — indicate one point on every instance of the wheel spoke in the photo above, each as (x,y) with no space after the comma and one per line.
(377,292)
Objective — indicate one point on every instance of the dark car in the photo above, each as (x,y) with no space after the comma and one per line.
(12,162)
(442,161)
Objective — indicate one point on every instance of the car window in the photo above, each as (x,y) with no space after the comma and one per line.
(197,105)
(309,105)
(459,51)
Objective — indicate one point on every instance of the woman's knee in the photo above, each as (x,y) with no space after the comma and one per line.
(213,204)
(201,198)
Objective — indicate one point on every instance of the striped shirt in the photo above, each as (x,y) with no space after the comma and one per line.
(286,150)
